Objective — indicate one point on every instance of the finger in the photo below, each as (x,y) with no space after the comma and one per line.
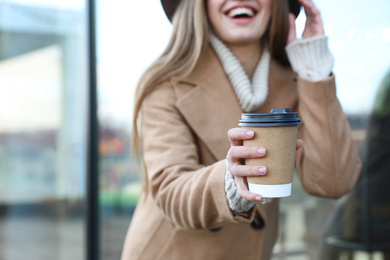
(244,192)
(247,152)
(314,25)
(236,135)
(292,32)
(247,171)
(309,7)
(299,143)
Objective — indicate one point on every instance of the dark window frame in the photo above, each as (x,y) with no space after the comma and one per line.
(92,216)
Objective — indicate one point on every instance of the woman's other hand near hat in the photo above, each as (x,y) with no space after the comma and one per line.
(313,26)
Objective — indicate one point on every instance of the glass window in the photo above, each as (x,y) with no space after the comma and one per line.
(43,129)
(354,226)
(124,50)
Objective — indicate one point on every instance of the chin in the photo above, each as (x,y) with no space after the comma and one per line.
(242,39)
(240,36)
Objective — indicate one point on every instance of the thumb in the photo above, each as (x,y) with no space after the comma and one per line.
(292,33)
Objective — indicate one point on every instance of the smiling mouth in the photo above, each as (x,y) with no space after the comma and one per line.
(241,12)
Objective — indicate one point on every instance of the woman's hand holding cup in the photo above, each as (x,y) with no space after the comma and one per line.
(238,153)
(235,157)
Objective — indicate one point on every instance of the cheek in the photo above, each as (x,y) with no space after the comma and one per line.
(267,6)
(267,12)
(213,13)
(266,3)
(212,7)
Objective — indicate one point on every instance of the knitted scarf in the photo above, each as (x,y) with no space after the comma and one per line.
(250,94)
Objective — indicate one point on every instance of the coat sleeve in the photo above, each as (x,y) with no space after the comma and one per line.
(328,164)
(190,195)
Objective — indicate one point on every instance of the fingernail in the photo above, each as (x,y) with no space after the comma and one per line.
(258,198)
(263,170)
(261,151)
(250,133)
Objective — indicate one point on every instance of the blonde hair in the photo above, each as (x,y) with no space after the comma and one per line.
(189,37)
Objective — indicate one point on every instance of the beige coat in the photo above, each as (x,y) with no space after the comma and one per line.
(186,215)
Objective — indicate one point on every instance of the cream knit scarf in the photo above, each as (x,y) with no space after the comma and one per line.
(250,95)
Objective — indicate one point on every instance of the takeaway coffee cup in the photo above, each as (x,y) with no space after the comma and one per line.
(277,132)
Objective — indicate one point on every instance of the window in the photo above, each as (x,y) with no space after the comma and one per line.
(43,129)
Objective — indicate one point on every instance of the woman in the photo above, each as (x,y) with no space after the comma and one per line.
(196,203)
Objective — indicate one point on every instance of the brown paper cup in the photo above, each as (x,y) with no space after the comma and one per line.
(280,142)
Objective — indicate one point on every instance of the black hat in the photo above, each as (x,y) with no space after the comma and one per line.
(170,6)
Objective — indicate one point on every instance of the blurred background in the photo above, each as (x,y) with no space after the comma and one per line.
(46,78)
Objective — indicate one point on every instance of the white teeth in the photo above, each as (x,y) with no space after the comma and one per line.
(241,11)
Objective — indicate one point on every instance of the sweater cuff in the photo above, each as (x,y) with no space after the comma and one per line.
(236,202)
(310,58)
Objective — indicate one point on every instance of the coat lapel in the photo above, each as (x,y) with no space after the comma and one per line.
(208,104)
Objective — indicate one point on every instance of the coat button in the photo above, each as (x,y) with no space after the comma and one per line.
(215,229)
(258,223)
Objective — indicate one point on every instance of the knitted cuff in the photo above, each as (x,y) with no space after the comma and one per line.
(311,58)
(236,202)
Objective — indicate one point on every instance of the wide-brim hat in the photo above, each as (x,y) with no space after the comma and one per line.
(170,7)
